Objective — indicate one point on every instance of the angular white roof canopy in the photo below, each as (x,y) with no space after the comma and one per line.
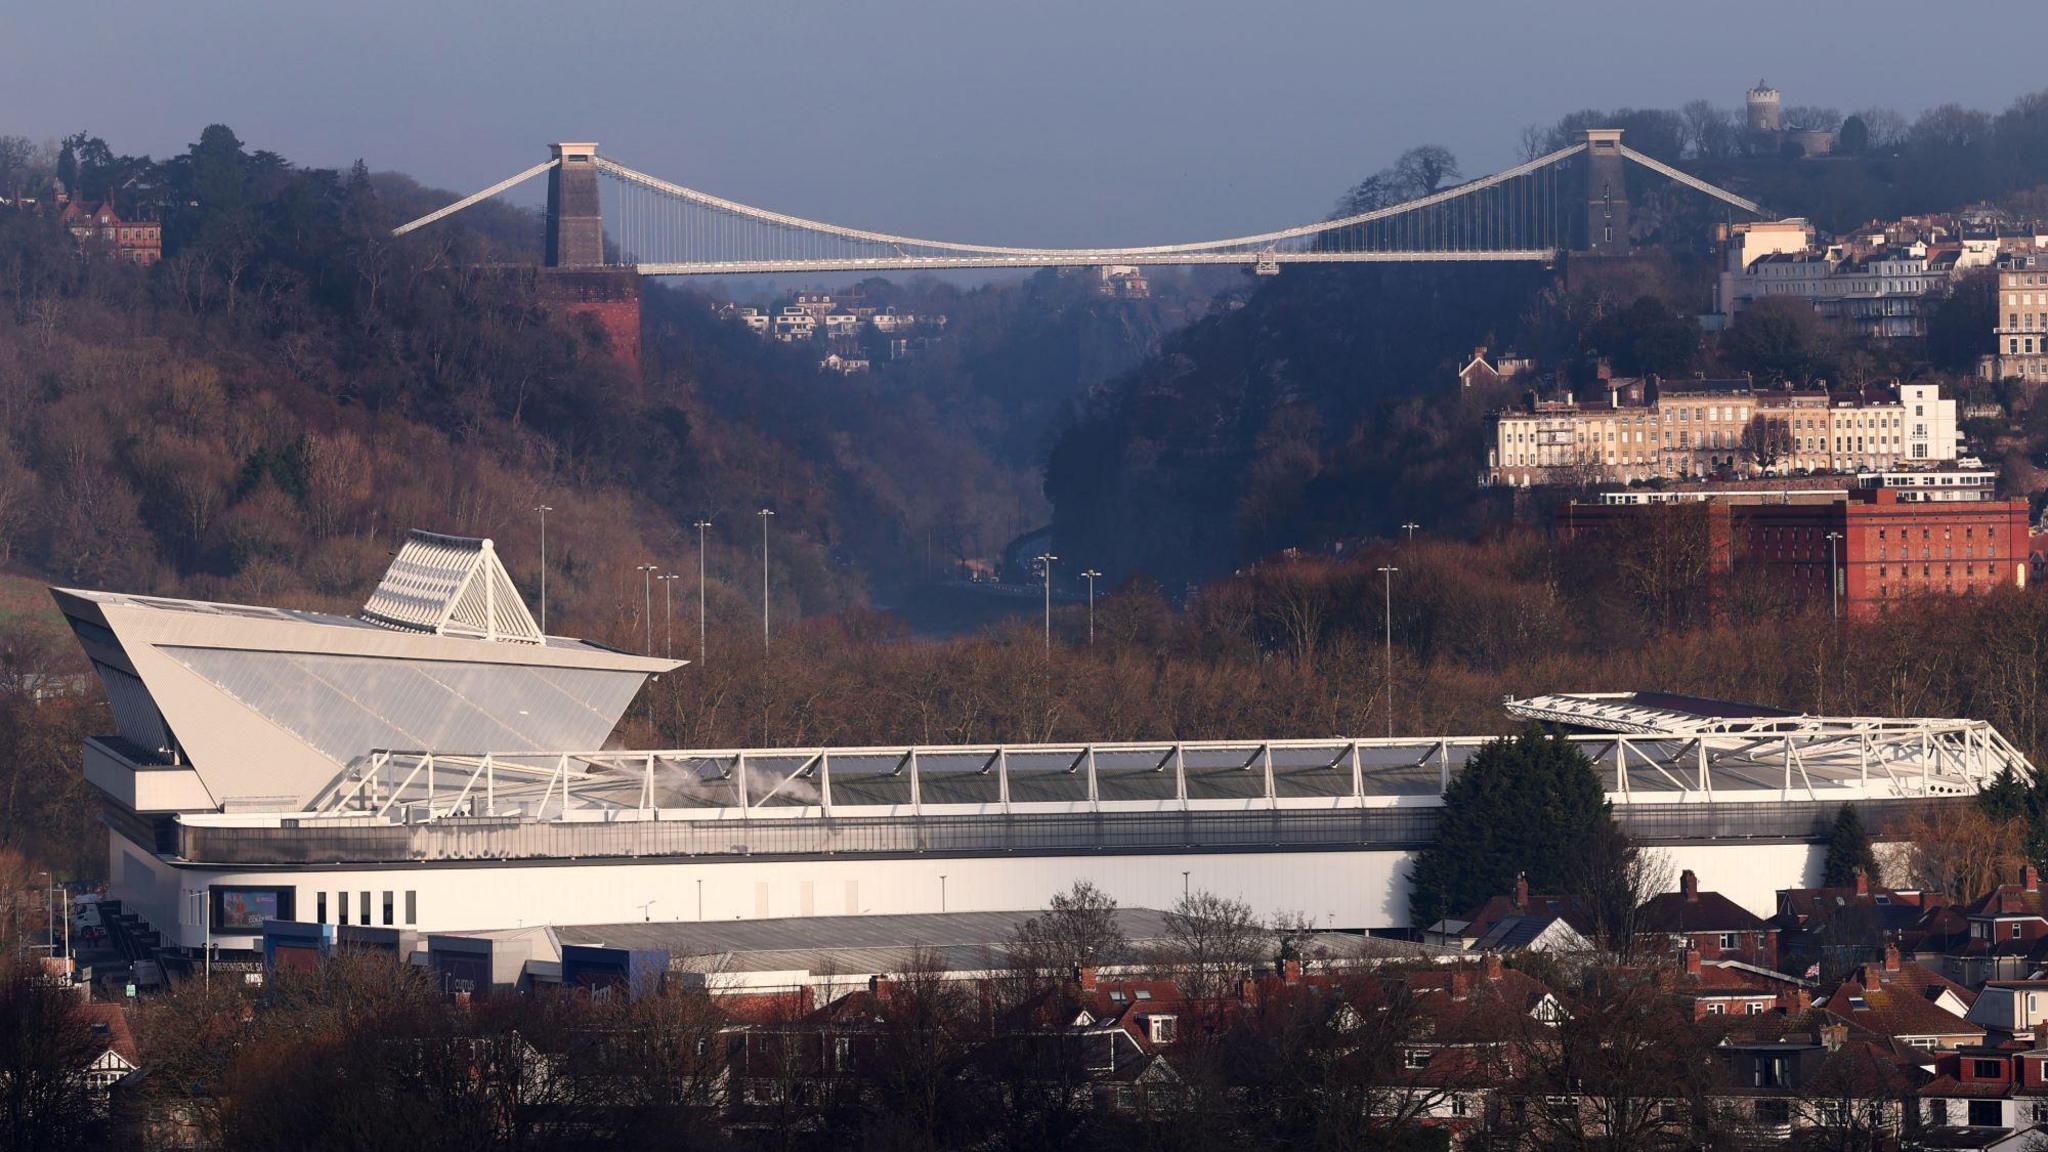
(450,586)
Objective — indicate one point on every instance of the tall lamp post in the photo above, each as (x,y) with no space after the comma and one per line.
(1387,571)
(1091,574)
(764,514)
(668,600)
(647,604)
(1045,560)
(1834,575)
(543,510)
(702,524)
(1410,526)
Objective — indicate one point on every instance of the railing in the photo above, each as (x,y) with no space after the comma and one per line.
(328,841)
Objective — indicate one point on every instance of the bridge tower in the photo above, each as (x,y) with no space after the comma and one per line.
(1606,193)
(575,218)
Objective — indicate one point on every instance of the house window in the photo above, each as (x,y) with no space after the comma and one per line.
(1987,1114)
(365,906)
(412,909)
(1716,1009)
(320,907)
(1937,1112)
(1774,1113)
(1730,941)
(1160,1028)
(389,910)
(2015,931)
(1756,1008)
(1987,1070)
(341,902)
(1459,1105)
(1415,1058)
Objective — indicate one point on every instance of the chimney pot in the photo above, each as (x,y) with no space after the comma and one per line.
(1689,885)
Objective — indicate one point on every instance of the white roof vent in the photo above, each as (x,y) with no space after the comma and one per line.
(450,586)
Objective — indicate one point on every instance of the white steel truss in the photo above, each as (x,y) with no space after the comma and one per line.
(1816,759)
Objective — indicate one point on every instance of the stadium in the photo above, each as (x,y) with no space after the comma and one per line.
(436,764)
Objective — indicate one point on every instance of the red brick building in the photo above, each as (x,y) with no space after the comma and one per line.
(1878,544)
(1708,925)
(136,241)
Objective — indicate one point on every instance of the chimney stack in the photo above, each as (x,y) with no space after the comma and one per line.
(1795,1002)
(1891,957)
(1290,971)
(1084,976)
(880,987)
(2030,877)
(1490,967)
(1692,962)
(1461,982)
(1689,885)
(1862,882)
(1521,891)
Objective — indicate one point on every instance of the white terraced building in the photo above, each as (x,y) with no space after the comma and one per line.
(435,763)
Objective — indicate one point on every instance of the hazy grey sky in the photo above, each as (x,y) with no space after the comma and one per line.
(1054,122)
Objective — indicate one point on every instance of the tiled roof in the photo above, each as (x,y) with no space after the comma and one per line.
(2009,900)
(1707,912)
(1901,1003)
(110,1025)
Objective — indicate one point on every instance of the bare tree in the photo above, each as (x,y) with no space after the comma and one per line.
(1709,131)
(1079,928)
(1210,942)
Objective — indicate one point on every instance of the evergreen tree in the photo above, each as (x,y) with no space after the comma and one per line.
(1849,849)
(1529,803)
(1855,137)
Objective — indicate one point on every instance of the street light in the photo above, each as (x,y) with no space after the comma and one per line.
(647,605)
(1091,574)
(1045,560)
(764,514)
(1411,526)
(702,524)
(1388,572)
(198,898)
(668,600)
(1834,576)
(543,510)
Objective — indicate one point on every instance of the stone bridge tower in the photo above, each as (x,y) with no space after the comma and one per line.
(1606,193)
(575,218)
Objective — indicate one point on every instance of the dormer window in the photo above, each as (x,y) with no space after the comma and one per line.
(1160,1028)
(1116,996)
(1858,1004)
(1144,994)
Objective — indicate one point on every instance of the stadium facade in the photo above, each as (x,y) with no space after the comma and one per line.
(436,763)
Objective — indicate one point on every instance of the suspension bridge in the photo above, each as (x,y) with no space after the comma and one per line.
(604,214)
